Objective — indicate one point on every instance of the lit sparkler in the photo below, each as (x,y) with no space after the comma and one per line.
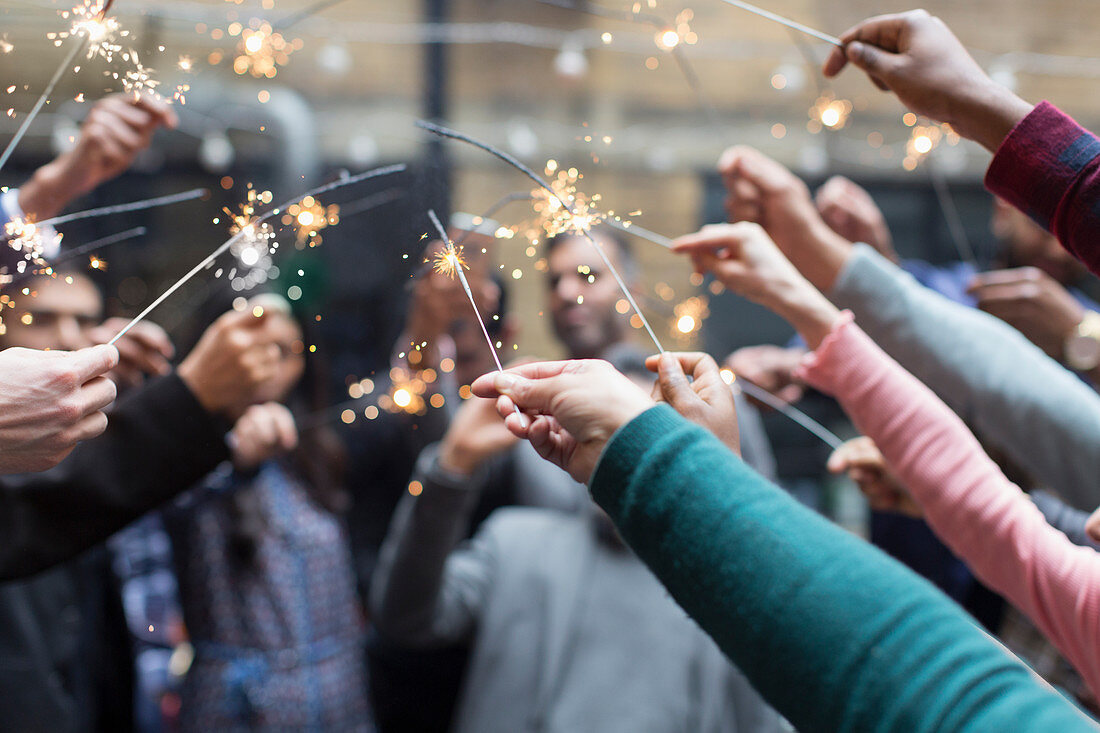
(688,316)
(309,217)
(255,242)
(47,268)
(566,206)
(262,51)
(345,181)
(449,262)
(830,112)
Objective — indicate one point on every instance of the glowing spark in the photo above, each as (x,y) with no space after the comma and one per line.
(689,316)
(262,51)
(309,217)
(668,40)
(449,260)
(254,245)
(96,263)
(511,160)
(186,63)
(345,181)
(831,112)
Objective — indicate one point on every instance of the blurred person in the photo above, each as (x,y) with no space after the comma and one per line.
(787,595)
(600,646)
(264,566)
(65,660)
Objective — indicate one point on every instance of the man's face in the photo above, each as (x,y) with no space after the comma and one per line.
(582,297)
(1026,244)
(57,315)
(291,359)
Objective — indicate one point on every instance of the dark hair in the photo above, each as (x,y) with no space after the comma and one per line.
(600,232)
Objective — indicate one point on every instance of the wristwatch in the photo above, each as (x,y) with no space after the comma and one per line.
(1083,344)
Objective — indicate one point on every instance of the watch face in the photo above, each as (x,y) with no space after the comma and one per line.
(1082,353)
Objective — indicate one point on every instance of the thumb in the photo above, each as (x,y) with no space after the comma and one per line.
(529,395)
(94,362)
(873,60)
(674,384)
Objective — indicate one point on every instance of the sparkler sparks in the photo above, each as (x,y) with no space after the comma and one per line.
(262,51)
(309,217)
(512,161)
(344,181)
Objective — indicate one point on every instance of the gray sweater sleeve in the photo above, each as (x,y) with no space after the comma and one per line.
(1064,518)
(1007,389)
(428,589)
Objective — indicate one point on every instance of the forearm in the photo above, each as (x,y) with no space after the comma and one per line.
(1049,167)
(409,597)
(159,442)
(833,633)
(979,513)
(51,189)
(1014,396)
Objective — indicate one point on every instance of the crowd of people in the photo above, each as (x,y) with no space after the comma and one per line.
(591,544)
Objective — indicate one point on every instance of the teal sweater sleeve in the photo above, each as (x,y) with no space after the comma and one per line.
(832,632)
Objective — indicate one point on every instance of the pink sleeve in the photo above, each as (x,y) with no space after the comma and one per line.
(985,518)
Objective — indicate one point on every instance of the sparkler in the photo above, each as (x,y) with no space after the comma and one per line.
(449,262)
(309,217)
(581,229)
(793,25)
(828,437)
(345,181)
(370,202)
(153,203)
(48,267)
(951,214)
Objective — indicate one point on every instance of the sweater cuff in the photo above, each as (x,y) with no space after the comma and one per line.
(623,454)
(819,367)
(1039,160)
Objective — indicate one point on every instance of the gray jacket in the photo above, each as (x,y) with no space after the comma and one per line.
(1013,394)
(522,592)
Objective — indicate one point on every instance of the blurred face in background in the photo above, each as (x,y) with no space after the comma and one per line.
(57,314)
(291,357)
(1026,244)
(583,294)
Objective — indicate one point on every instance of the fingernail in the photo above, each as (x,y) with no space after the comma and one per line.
(523,421)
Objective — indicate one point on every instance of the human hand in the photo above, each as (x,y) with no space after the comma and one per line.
(851,212)
(570,408)
(262,432)
(116,129)
(861,460)
(706,400)
(476,434)
(235,357)
(144,350)
(1033,303)
(49,402)
(746,260)
(763,191)
(771,368)
(917,57)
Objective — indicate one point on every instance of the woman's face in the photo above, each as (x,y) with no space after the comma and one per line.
(291,359)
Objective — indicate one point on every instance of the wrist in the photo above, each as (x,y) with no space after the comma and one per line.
(455,460)
(206,399)
(811,314)
(821,257)
(51,188)
(989,115)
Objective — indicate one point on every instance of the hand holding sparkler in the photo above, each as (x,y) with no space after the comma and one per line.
(745,259)
(145,350)
(916,56)
(233,360)
(116,130)
(576,407)
(49,402)
(851,212)
(705,399)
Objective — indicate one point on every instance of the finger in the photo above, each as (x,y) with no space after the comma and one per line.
(153,337)
(675,387)
(91,426)
(485,385)
(93,362)
(879,64)
(835,62)
(704,240)
(159,109)
(285,428)
(136,357)
(98,394)
(518,424)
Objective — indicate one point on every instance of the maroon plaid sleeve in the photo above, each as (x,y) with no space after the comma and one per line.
(1049,168)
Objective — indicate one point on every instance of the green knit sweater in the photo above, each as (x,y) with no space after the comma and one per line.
(833,633)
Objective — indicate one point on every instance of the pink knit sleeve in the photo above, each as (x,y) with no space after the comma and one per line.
(985,518)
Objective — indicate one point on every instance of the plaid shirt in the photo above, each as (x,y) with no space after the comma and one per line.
(1049,167)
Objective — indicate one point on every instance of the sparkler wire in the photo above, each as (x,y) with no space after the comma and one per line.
(345,181)
(77,48)
(510,160)
(123,208)
(100,244)
(951,214)
(790,411)
(794,25)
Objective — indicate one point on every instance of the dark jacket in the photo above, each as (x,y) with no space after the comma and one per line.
(160,441)
(64,657)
